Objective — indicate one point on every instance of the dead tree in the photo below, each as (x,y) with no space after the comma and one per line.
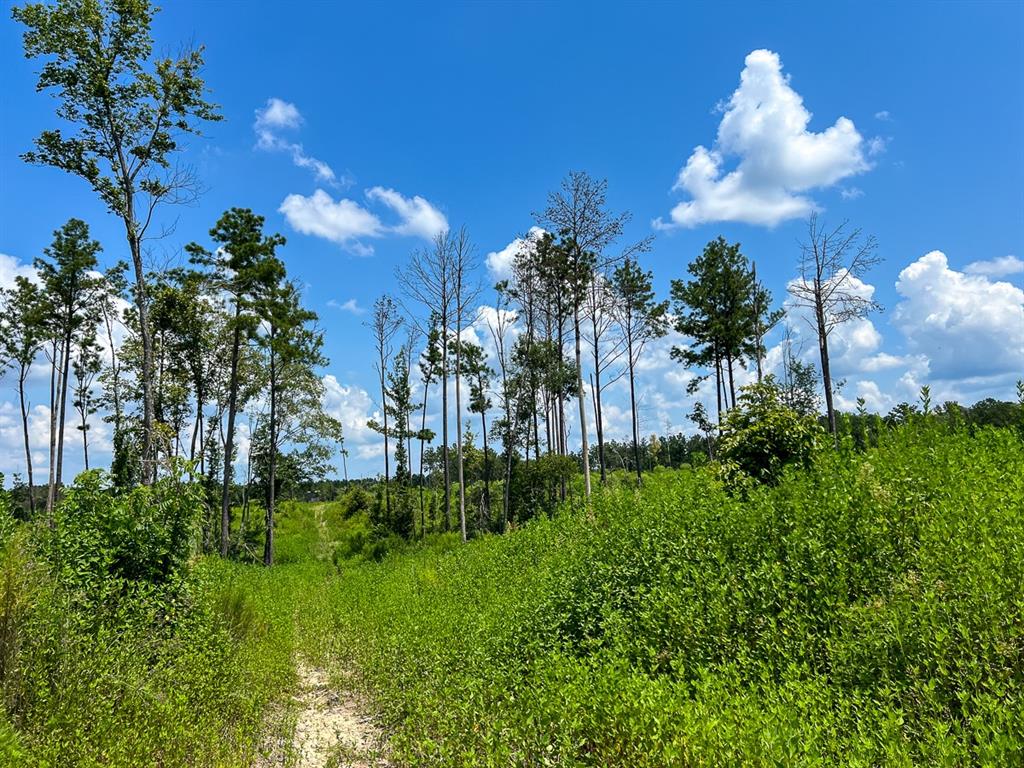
(832,263)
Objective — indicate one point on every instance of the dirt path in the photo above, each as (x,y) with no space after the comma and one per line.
(331,728)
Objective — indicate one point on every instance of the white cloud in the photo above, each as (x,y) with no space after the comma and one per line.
(340,222)
(345,221)
(499,263)
(851,193)
(10,268)
(765,127)
(418,217)
(353,407)
(966,324)
(998,267)
(348,306)
(278,116)
(883,115)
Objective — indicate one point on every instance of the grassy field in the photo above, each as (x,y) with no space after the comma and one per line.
(867,612)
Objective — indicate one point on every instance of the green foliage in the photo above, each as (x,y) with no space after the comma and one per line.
(143,535)
(861,613)
(761,436)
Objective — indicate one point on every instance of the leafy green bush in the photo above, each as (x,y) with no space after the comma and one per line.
(142,535)
(762,436)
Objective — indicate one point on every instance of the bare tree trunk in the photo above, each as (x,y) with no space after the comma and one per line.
(268,539)
(51,495)
(141,305)
(22,374)
(423,427)
(826,371)
(599,421)
(732,385)
(387,458)
(229,440)
(633,419)
(487,467)
(458,423)
(583,410)
(444,429)
(718,383)
(85,440)
(63,404)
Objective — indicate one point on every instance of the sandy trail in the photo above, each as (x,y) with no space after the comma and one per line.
(331,729)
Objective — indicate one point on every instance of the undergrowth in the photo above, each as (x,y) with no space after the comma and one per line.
(867,612)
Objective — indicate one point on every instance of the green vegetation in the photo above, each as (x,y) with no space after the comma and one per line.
(863,610)
(867,612)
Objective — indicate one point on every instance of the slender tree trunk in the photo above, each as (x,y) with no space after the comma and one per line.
(114,368)
(487,467)
(423,428)
(62,404)
(22,375)
(197,427)
(599,423)
(268,539)
(387,459)
(446,470)
(229,439)
(598,414)
(145,333)
(633,419)
(732,385)
(758,333)
(581,394)
(52,467)
(458,423)
(85,440)
(826,371)
(718,383)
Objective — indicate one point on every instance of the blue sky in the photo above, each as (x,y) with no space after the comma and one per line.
(915,135)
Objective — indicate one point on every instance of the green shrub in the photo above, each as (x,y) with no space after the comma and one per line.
(762,436)
(142,535)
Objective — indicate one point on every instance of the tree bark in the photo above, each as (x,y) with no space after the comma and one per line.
(826,371)
(458,423)
(148,462)
(387,461)
(423,428)
(487,466)
(635,423)
(581,394)
(446,470)
(22,375)
(229,439)
(268,539)
(62,407)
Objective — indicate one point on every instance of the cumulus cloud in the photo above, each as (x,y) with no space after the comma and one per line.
(353,407)
(765,127)
(279,116)
(11,268)
(347,306)
(346,222)
(966,324)
(998,267)
(417,217)
(499,263)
